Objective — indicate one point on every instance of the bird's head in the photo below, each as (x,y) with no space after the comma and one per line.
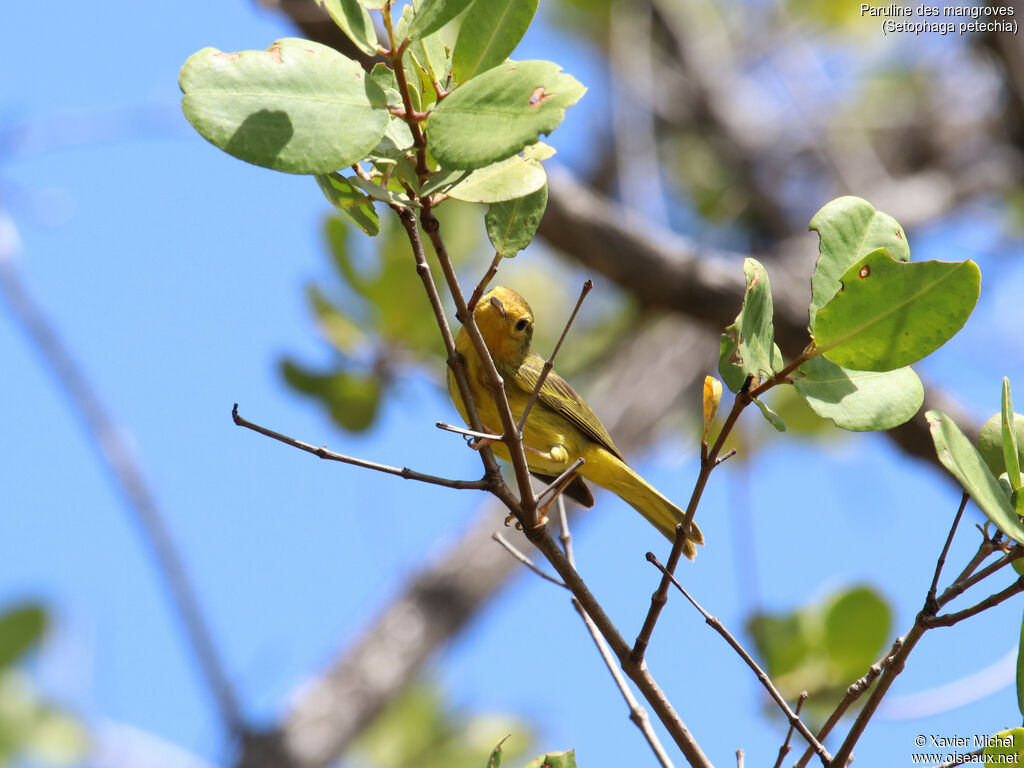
(506,323)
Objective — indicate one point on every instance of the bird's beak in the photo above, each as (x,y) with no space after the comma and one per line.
(496,303)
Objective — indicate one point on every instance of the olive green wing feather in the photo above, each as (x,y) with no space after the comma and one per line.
(556,395)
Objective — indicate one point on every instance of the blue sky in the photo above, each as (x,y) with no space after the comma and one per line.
(175,274)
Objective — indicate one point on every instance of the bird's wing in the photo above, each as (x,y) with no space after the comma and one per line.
(556,395)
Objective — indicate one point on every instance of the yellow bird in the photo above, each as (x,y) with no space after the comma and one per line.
(561,427)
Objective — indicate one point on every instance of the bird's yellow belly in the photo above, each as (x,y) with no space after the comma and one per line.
(552,443)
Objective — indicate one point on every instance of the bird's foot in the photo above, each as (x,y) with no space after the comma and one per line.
(555,453)
(542,521)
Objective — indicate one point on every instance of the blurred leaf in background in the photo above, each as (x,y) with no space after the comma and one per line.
(823,647)
(30,727)
(420,730)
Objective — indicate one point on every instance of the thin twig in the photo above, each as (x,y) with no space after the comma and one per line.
(324,453)
(986,548)
(418,139)
(715,624)
(924,622)
(511,549)
(637,714)
(931,605)
(725,456)
(949,619)
(466,432)
(549,363)
(455,362)
(891,671)
(478,292)
(564,534)
(854,692)
(743,398)
(784,749)
(707,464)
(559,484)
(526,509)
(140,500)
(635,671)
(958,588)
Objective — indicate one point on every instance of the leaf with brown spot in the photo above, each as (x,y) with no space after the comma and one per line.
(491,117)
(298,107)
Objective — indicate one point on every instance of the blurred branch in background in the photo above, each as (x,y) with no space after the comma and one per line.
(121,462)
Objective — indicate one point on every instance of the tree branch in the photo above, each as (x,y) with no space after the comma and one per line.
(949,619)
(636,671)
(323,453)
(854,692)
(762,676)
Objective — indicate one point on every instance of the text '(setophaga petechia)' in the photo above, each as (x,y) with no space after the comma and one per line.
(561,427)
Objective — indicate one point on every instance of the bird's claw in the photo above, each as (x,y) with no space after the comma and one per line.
(519,526)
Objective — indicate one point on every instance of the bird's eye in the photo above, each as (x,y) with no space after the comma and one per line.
(521,325)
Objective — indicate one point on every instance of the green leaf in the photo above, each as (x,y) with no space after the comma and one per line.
(1011,452)
(889,314)
(495,760)
(385,78)
(990,442)
(539,152)
(781,640)
(857,624)
(434,14)
(1020,667)
(353,399)
(339,329)
(21,628)
(849,228)
(822,647)
(773,418)
(859,400)
(351,16)
(748,345)
(488,35)
(297,107)
(554,760)
(54,737)
(377,192)
(498,113)
(962,459)
(512,224)
(396,142)
(504,180)
(434,62)
(350,201)
(1008,743)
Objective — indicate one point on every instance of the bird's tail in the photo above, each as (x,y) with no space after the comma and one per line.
(615,475)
